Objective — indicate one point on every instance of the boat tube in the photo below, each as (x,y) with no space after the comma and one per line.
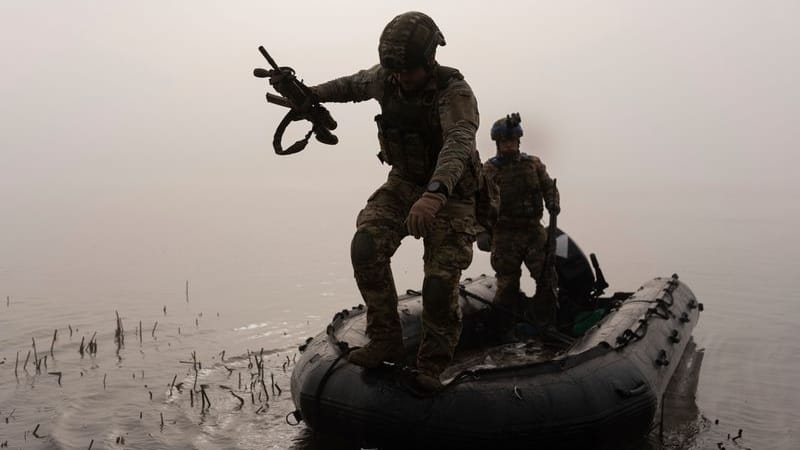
(545,390)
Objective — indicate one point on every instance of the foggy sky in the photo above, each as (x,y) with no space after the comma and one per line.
(134,132)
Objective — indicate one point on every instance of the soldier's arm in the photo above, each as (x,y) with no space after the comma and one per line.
(458,113)
(549,190)
(362,85)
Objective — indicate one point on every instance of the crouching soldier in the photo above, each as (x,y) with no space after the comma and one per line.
(427,126)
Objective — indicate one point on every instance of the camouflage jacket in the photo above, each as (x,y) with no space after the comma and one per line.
(453,121)
(513,190)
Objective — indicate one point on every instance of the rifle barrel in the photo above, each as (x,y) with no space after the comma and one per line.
(269,58)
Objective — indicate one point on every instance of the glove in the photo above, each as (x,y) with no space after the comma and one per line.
(553,208)
(484,241)
(422,213)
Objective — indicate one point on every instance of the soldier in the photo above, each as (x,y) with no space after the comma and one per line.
(426,130)
(515,185)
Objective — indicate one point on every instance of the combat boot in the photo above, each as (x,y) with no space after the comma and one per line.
(428,382)
(376,352)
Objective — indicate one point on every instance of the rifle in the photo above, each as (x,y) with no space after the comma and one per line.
(302,104)
(549,287)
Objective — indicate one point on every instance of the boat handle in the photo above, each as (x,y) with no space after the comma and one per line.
(628,393)
(298,417)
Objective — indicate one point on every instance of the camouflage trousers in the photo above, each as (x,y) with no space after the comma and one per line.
(511,247)
(448,251)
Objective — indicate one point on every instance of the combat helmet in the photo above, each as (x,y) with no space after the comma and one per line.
(409,41)
(507,128)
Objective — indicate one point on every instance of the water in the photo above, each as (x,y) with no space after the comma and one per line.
(134,156)
(745,379)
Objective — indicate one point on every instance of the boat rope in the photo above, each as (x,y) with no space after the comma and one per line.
(324,380)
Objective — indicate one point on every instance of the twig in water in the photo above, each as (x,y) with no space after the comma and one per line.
(187,291)
(140,332)
(58,374)
(272,382)
(165,310)
(151,395)
(16,364)
(162,421)
(119,333)
(205,396)
(241,400)
(279,389)
(90,444)
(191,398)
(70,330)
(35,355)
(55,333)
(80,349)
(104,381)
(264,387)
(26,361)
(172,384)
(35,430)
(154,330)
(240,381)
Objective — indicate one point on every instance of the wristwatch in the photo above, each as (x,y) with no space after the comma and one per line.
(437,187)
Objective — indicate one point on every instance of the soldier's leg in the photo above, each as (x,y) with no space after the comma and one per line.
(379,231)
(506,259)
(448,251)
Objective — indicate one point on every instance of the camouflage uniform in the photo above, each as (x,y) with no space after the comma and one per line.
(427,136)
(516,186)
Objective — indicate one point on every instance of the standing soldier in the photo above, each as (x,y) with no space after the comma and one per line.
(516,185)
(426,129)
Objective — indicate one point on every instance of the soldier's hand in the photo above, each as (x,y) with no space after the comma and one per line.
(422,213)
(553,209)
(484,241)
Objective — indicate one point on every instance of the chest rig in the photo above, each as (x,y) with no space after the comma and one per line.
(409,129)
(518,186)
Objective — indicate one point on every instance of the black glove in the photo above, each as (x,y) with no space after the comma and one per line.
(484,241)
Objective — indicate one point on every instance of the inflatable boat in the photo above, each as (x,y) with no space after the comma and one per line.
(570,386)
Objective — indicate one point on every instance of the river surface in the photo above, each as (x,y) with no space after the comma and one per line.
(118,396)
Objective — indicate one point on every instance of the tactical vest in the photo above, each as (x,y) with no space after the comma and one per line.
(518,185)
(409,129)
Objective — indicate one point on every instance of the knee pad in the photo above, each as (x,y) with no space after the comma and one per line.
(362,248)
